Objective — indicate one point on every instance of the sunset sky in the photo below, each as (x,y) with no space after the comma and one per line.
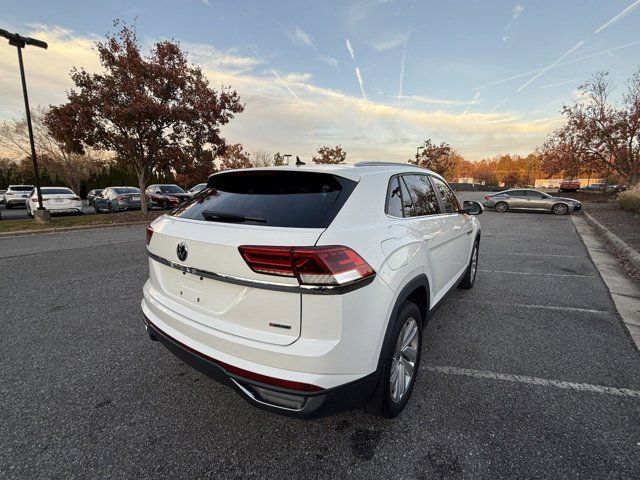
(375,76)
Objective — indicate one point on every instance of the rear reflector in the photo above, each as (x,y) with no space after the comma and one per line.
(331,265)
(149,234)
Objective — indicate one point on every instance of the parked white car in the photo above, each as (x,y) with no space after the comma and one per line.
(16,195)
(56,200)
(306,289)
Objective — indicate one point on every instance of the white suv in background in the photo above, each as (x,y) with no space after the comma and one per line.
(306,289)
(17,195)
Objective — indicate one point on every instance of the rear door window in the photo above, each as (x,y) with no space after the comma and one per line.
(270,198)
(423,200)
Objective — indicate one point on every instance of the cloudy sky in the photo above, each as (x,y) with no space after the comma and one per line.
(376,76)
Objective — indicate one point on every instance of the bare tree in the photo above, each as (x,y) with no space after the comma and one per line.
(74,168)
(261,158)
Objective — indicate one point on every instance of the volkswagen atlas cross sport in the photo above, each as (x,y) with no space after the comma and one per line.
(306,289)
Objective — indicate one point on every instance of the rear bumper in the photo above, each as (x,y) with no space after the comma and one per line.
(292,403)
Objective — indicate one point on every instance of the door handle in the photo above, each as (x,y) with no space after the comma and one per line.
(428,236)
(457,227)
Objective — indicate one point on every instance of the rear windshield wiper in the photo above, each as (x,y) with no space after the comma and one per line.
(229,217)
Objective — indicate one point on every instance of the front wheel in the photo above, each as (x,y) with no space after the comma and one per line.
(402,352)
(470,275)
(560,209)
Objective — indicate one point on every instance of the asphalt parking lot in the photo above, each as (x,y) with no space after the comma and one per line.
(528,375)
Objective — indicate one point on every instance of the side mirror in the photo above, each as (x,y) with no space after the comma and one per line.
(470,207)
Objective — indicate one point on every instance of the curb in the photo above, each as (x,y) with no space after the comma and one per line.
(624,292)
(20,233)
(632,255)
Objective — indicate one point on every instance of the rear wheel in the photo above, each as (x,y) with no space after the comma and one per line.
(402,352)
(470,276)
(560,209)
(8,206)
(501,207)
(165,205)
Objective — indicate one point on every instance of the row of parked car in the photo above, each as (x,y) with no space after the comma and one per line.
(112,199)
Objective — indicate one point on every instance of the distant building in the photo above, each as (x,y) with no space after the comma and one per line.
(555,182)
(470,180)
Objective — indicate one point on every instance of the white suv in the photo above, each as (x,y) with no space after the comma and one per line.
(306,289)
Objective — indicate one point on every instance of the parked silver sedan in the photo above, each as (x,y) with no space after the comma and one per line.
(527,199)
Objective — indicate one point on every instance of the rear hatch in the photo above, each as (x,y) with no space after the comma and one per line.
(251,207)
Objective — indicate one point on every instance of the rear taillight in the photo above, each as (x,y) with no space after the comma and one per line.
(8,194)
(75,198)
(149,234)
(334,265)
(487,197)
(35,199)
(120,197)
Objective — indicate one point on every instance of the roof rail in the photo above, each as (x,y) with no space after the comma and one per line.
(384,164)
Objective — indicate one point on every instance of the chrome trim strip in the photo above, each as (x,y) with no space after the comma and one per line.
(280,287)
(255,399)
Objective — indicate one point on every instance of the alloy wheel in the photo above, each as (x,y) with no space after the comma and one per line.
(560,209)
(403,362)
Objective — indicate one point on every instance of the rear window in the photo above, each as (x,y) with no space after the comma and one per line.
(276,199)
(171,189)
(120,191)
(21,188)
(56,191)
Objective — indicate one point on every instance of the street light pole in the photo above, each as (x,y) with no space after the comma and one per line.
(20,42)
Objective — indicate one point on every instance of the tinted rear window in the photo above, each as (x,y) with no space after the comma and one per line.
(277,199)
(126,190)
(171,189)
(21,188)
(56,191)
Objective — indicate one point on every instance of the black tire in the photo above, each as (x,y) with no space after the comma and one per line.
(501,207)
(8,206)
(393,406)
(165,204)
(470,275)
(560,209)
(110,207)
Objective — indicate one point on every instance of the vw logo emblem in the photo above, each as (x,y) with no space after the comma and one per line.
(181,251)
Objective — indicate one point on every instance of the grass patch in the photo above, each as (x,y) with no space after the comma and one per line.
(630,200)
(77,221)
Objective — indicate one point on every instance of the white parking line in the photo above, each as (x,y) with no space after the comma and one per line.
(501,253)
(542,382)
(538,273)
(529,305)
